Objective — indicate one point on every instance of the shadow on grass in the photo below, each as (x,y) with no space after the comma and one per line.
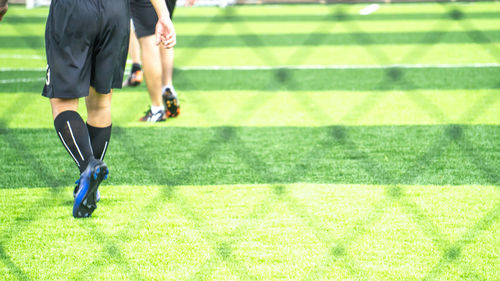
(229,155)
(13,268)
(381,79)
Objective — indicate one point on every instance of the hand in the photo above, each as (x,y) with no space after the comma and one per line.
(3,10)
(165,33)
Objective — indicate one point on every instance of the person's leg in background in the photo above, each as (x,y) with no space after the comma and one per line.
(152,66)
(169,95)
(157,63)
(136,76)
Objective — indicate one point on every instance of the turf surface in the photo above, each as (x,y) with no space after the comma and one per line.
(367,148)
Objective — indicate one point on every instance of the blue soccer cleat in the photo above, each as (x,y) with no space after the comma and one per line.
(87,193)
(77,187)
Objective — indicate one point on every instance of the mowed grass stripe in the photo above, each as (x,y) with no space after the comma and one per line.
(340,79)
(312,55)
(275,40)
(447,154)
(334,39)
(273,232)
(280,108)
(307,79)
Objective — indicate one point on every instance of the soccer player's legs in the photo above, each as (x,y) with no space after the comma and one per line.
(152,73)
(98,108)
(169,95)
(71,130)
(145,18)
(99,121)
(72,68)
(99,130)
(69,71)
(157,62)
(98,126)
(108,59)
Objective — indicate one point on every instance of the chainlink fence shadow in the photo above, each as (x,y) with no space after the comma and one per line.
(339,136)
(335,137)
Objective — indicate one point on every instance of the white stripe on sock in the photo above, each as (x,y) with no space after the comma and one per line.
(104,150)
(73,137)
(67,148)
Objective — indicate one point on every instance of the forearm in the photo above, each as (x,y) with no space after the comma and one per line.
(164,30)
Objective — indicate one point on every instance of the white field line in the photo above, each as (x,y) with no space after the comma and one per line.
(21,80)
(21,69)
(369,9)
(250,68)
(18,56)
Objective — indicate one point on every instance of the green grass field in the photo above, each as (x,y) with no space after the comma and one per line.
(314,143)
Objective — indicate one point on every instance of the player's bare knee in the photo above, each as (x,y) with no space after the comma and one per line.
(97,102)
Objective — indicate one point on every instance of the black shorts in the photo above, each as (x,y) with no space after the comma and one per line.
(144,16)
(86,45)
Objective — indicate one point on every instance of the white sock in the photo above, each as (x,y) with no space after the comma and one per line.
(156,109)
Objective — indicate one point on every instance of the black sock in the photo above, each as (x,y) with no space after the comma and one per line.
(75,137)
(99,139)
(135,67)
